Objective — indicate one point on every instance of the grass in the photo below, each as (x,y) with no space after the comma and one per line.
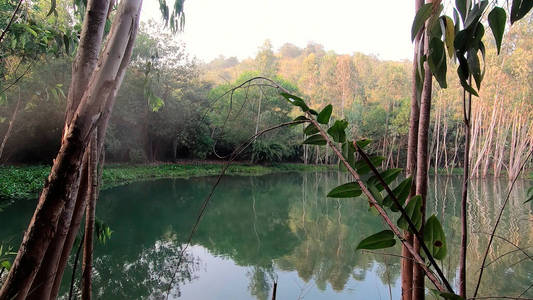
(25,182)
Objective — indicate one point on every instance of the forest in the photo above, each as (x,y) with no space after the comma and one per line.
(168,107)
(206,162)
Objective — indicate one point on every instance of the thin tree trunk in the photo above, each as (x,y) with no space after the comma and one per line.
(422,163)
(87,264)
(10,127)
(467,112)
(407,262)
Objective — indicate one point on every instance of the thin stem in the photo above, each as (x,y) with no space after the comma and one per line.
(11,20)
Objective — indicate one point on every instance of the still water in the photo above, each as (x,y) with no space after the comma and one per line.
(282,228)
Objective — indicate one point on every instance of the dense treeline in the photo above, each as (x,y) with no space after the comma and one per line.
(172,107)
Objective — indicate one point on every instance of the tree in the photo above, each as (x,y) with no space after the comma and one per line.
(90,102)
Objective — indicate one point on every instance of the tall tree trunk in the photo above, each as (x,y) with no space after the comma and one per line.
(87,264)
(422,162)
(10,127)
(82,68)
(59,185)
(407,262)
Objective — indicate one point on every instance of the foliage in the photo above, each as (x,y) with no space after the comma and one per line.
(24,182)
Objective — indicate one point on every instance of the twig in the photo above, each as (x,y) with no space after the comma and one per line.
(10,21)
(498,222)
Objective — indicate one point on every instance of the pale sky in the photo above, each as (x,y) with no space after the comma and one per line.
(239,27)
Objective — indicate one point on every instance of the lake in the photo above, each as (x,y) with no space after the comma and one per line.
(282,227)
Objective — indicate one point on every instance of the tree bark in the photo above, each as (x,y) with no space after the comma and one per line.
(87,264)
(58,187)
(422,168)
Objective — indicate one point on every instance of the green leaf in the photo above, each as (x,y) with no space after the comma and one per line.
(434,238)
(316,139)
(363,143)
(347,190)
(380,240)
(5,264)
(413,209)
(296,101)
(463,79)
(337,131)
(437,61)
(363,168)
(310,129)
(301,118)
(519,9)
(387,175)
(421,16)
(475,14)
(497,19)
(474,66)
(463,8)
(325,114)
(155,102)
(375,193)
(313,112)
(401,192)
(449,35)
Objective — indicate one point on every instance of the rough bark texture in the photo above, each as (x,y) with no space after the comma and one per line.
(58,187)
(422,169)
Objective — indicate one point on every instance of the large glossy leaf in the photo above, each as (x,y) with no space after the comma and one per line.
(310,129)
(337,131)
(420,18)
(414,212)
(380,240)
(347,190)
(463,78)
(437,61)
(434,238)
(519,9)
(363,168)
(497,19)
(401,192)
(316,139)
(449,35)
(325,114)
(387,175)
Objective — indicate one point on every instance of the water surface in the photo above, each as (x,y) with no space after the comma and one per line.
(281,227)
